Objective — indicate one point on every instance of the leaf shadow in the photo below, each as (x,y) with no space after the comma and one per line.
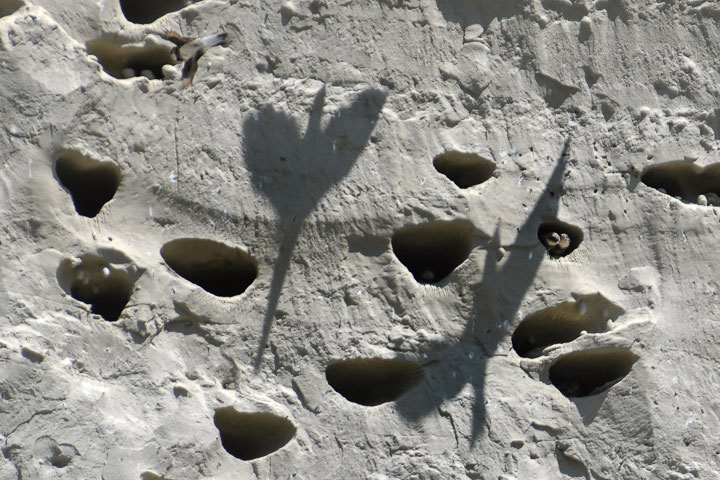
(294,170)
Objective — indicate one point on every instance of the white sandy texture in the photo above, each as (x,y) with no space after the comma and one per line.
(296,179)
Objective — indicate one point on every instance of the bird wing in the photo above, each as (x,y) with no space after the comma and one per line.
(189,69)
(188,50)
(175,37)
(212,40)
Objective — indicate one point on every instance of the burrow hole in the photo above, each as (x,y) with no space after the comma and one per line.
(686,181)
(131,61)
(8,7)
(589,372)
(58,455)
(143,11)
(464,169)
(549,232)
(249,435)
(218,268)
(431,251)
(563,323)
(98,283)
(373,381)
(91,183)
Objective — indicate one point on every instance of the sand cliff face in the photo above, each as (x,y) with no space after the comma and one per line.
(422,239)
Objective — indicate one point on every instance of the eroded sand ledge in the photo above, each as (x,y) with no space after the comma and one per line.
(328,257)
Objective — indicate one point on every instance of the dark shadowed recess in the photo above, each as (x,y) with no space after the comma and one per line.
(116,58)
(373,381)
(147,11)
(91,183)
(480,12)
(563,323)
(589,372)
(218,268)
(574,232)
(95,282)
(8,7)
(431,251)
(464,169)
(683,179)
(250,435)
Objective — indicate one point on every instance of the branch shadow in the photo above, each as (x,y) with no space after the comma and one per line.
(496,298)
(294,170)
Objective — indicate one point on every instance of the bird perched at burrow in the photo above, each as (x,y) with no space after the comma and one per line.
(189,50)
(556,243)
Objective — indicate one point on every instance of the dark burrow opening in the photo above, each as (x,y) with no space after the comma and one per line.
(60,459)
(8,7)
(249,435)
(127,62)
(218,268)
(589,372)
(431,251)
(464,169)
(95,282)
(563,323)
(144,11)
(373,381)
(685,180)
(550,232)
(91,183)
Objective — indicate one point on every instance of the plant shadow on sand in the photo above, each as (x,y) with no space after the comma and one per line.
(294,170)
(497,297)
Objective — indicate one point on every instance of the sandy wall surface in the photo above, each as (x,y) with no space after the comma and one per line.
(379,239)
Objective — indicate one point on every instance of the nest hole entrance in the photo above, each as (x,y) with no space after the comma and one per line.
(432,251)
(131,61)
(219,269)
(8,7)
(547,229)
(685,180)
(250,435)
(563,323)
(464,169)
(94,281)
(144,11)
(91,183)
(373,381)
(590,372)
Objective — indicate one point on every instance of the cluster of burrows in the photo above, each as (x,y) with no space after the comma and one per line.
(590,372)
(142,11)
(560,239)
(563,323)
(96,282)
(685,181)
(582,373)
(219,269)
(464,169)
(431,251)
(250,435)
(373,381)
(131,61)
(91,183)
